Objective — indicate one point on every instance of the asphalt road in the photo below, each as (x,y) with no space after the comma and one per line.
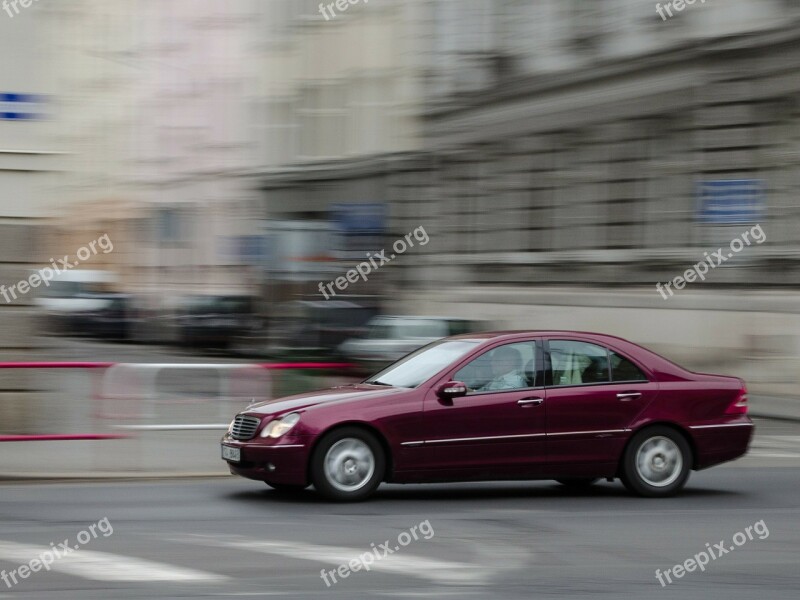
(232,537)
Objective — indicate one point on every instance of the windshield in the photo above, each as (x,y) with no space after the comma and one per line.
(421,365)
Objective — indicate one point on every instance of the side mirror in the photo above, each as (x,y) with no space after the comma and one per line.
(451,389)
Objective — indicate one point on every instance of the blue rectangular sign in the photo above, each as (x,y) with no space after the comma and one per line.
(730,201)
(20,107)
(359,219)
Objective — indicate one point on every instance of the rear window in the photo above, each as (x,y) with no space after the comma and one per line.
(623,369)
(578,363)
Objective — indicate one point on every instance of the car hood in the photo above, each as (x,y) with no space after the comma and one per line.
(338,394)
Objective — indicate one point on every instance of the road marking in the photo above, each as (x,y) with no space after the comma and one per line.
(104,566)
(439,571)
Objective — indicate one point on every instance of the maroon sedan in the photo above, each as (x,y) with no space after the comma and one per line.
(574,407)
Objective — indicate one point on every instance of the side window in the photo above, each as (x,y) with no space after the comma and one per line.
(577,363)
(624,370)
(507,367)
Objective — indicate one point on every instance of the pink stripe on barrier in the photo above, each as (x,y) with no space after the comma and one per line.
(56,365)
(61,437)
(106,365)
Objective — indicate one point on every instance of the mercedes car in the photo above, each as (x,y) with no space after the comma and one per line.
(526,405)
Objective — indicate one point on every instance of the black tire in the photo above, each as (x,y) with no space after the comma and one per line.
(368,473)
(578,483)
(647,442)
(286,487)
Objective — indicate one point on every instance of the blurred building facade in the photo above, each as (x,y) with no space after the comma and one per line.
(565,153)
(572,138)
(341,121)
(156,109)
(31,161)
(561,140)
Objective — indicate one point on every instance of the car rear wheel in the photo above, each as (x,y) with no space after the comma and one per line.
(656,463)
(348,465)
(578,483)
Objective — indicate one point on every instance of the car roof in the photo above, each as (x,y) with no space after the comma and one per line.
(523,333)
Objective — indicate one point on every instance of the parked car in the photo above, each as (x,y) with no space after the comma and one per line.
(114,318)
(70,295)
(574,407)
(389,338)
(215,321)
(318,327)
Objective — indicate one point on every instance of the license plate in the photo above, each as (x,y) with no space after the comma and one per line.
(232,454)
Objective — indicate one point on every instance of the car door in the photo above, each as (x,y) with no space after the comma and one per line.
(489,433)
(593,393)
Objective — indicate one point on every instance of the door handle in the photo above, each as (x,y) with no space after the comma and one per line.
(628,396)
(530,401)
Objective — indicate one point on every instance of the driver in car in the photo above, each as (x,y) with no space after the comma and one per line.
(506,371)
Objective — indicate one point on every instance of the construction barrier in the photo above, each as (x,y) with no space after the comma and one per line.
(151,417)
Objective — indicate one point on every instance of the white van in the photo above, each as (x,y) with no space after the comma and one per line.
(74,292)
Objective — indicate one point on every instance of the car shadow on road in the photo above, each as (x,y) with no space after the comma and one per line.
(472,492)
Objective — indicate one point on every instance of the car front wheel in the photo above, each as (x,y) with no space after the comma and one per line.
(348,465)
(656,463)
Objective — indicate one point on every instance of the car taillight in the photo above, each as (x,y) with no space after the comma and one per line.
(739,406)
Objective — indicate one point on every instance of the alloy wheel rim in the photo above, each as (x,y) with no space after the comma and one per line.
(659,461)
(349,465)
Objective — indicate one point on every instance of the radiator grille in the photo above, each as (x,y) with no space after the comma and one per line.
(244,427)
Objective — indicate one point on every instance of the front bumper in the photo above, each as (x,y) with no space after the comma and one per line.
(285,462)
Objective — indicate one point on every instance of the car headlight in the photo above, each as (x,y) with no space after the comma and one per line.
(279,427)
